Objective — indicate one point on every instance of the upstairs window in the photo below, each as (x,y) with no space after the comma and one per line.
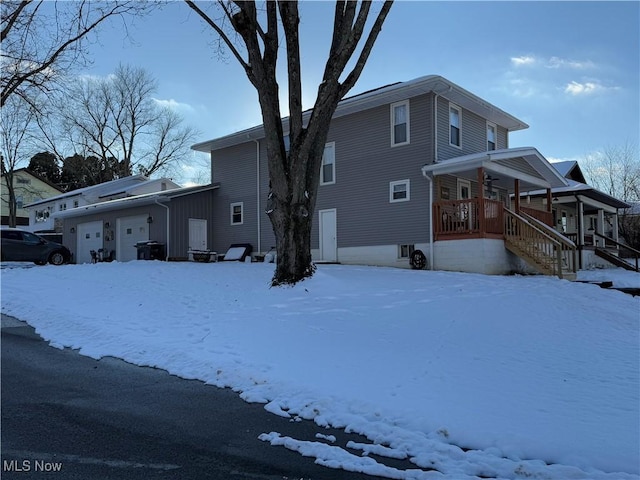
(237,213)
(455,117)
(328,171)
(400,123)
(491,137)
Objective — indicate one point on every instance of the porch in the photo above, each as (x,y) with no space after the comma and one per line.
(526,232)
(483,222)
(476,218)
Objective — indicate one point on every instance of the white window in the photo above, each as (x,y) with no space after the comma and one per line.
(236,211)
(62,207)
(328,170)
(399,191)
(491,136)
(400,123)
(42,215)
(455,123)
(19,201)
(76,203)
(24,181)
(405,251)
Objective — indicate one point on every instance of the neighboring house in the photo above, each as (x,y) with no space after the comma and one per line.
(179,220)
(419,165)
(29,187)
(587,216)
(41,213)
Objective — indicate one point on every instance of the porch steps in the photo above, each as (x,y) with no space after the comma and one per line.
(611,258)
(537,258)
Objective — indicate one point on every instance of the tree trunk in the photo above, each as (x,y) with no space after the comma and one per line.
(294,175)
(292,228)
(11,202)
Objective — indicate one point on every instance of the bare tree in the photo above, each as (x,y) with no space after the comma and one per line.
(16,125)
(294,175)
(117,117)
(42,40)
(616,171)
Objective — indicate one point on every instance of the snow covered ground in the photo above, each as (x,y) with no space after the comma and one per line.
(467,376)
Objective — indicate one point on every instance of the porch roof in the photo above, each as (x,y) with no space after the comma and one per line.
(586,192)
(503,166)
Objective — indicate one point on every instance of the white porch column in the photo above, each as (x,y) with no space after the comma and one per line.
(615,227)
(580,223)
(600,227)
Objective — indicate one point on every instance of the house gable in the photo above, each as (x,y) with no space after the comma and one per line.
(29,187)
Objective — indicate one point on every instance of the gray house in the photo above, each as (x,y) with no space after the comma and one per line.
(414,169)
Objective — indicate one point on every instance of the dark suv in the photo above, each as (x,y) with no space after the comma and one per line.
(21,246)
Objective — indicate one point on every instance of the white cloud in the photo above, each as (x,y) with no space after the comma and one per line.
(173,104)
(552,62)
(586,88)
(557,62)
(523,60)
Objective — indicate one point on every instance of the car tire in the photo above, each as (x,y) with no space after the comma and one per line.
(57,258)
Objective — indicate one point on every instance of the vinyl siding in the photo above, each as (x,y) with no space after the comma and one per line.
(473,133)
(197,205)
(235,169)
(365,164)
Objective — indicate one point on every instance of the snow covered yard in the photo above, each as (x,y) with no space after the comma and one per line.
(468,375)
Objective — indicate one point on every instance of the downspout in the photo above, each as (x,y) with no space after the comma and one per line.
(258,193)
(435,128)
(166,258)
(430,180)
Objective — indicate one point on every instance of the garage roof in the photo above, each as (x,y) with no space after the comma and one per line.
(137,200)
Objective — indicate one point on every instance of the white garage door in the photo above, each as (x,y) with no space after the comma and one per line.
(130,230)
(89,238)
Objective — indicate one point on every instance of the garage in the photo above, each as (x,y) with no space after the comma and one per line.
(129,231)
(89,238)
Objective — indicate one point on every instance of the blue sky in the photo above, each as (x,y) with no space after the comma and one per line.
(568,69)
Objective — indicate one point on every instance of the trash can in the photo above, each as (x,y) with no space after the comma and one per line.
(156,251)
(150,250)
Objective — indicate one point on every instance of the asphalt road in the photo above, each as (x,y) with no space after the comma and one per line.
(71,417)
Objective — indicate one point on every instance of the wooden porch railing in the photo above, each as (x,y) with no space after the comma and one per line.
(541,246)
(544,217)
(635,254)
(454,218)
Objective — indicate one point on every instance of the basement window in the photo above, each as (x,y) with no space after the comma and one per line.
(405,251)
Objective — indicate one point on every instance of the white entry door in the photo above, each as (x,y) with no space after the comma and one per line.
(197,234)
(328,235)
(89,238)
(129,231)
